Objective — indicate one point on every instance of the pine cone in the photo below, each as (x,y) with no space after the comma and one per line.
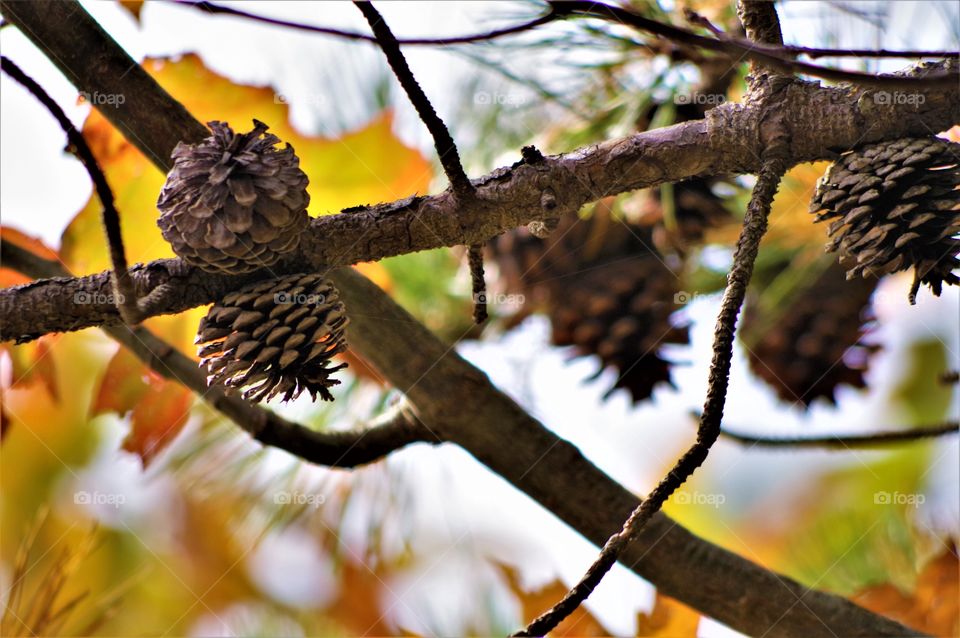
(896,205)
(275,337)
(606,294)
(234,203)
(813,344)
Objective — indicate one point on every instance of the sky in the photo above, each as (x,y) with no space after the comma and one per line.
(41,189)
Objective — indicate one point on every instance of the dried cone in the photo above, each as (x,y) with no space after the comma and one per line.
(606,294)
(895,206)
(234,203)
(275,337)
(813,344)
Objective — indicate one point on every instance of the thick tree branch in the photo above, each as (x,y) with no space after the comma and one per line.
(447,390)
(822,121)
(342,449)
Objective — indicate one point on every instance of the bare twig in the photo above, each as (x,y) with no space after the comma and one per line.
(816,52)
(557,12)
(123,288)
(770,56)
(478,284)
(550,16)
(397,428)
(442,140)
(950,377)
(842,442)
(754,227)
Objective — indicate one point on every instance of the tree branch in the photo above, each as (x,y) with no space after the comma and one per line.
(765,55)
(442,140)
(550,16)
(558,11)
(342,449)
(845,442)
(760,21)
(123,288)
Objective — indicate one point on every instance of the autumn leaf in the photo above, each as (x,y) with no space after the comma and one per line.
(157,418)
(932,607)
(124,383)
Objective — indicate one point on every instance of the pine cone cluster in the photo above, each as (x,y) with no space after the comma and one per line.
(812,343)
(895,206)
(234,203)
(606,293)
(275,337)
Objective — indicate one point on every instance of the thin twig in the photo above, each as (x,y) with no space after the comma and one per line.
(773,57)
(816,52)
(553,14)
(841,442)
(478,283)
(950,377)
(341,449)
(754,227)
(442,140)
(123,286)
(557,12)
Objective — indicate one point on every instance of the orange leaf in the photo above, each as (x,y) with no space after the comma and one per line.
(669,617)
(933,607)
(124,382)
(158,417)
